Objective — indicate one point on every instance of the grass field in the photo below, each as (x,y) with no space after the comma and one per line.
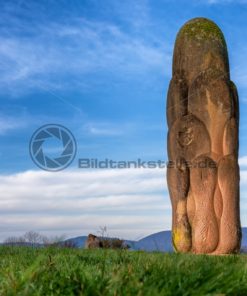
(57,271)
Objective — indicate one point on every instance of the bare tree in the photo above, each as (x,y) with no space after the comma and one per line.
(54,240)
(14,240)
(33,237)
(103,232)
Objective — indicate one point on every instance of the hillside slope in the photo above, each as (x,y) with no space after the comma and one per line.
(160,241)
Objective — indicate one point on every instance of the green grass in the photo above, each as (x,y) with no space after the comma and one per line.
(54,271)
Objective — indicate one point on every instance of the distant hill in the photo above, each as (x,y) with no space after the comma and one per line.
(244,239)
(160,241)
(78,241)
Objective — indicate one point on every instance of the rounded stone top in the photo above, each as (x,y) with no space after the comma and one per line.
(202,29)
(200,45)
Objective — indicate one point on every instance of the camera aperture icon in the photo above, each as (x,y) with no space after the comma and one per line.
(52,147)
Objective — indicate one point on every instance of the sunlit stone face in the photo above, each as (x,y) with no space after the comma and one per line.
(202,116)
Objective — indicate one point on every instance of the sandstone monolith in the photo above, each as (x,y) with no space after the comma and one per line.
(203,121)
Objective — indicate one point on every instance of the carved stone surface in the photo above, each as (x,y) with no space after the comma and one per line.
(203,120)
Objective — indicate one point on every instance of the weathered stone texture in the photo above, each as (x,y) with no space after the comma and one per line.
(203,120)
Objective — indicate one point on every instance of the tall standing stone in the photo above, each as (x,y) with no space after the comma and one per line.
(203,120)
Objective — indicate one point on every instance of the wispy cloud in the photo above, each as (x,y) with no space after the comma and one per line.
(11,122)
(8,124)
(224,1)
(51,52)
(108,128)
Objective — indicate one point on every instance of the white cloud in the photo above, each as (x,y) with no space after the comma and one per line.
(242,161)
(131,202)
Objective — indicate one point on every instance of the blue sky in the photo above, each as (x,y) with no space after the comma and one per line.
(100,68)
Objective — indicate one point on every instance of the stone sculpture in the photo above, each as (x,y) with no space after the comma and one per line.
(203,120)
